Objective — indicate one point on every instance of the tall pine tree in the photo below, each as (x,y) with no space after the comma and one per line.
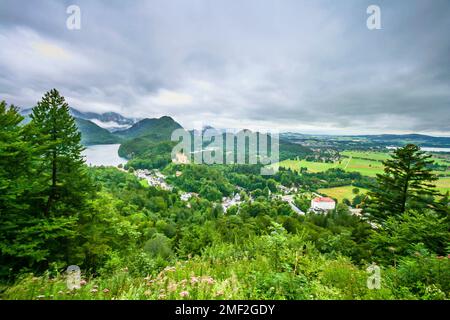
(67,186)
(62,165)
(407,183)
(17,187)
(15,154)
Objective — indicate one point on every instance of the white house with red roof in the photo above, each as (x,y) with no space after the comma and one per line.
(323,203)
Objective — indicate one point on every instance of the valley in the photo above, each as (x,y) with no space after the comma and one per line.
(144,227)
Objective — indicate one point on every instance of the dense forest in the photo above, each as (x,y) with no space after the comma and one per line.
(135,241)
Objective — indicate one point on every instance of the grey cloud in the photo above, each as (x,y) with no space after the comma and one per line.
(284,64)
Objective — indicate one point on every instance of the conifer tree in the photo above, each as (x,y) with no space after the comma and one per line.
(16,187)
(61,167)
(407,183)
(14,160)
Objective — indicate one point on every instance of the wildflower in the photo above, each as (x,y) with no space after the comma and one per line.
(94,290)
(219,293)
(40,296)
(440,257)
(162,296)
(35,279)
(147,292)
(125,269)
(194,280)
(105,290)
(448,256)
(95,287)
(83,282)
(208,280)
(184,294)
(60,292)
(169,269)
(172,287)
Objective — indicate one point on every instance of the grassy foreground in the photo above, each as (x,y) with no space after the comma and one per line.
(279,268)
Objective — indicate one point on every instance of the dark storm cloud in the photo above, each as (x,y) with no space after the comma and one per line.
(292,65)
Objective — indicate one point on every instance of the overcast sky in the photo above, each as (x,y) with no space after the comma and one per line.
(306,66)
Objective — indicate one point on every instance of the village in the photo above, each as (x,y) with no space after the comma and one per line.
(319,204)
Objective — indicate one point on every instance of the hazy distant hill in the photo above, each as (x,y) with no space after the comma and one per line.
(160,128)
(419,139)
(355,141)
(146,135)
(93,134)
(289,150)
(111,121)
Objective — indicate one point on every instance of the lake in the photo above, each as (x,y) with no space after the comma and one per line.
(103,155)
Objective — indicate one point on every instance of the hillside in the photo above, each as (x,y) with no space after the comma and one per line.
(148,143)
(93,134)
(160,128)
(419,139)
(289,150)
(344,142)
(111,121)
(139,146)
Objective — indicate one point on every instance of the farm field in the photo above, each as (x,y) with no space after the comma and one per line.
(441,161)
(380,156)
(372,155)
(366,167)
(295,165)
(443,185)
(367,163)
(340,193)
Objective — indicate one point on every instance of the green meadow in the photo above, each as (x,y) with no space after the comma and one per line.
(443,185)
(340,193)
(370,155)
(367,163)
(366,167)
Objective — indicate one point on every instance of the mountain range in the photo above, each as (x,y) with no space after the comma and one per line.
(133,134)
(136,135)
(344,141)
(111,121)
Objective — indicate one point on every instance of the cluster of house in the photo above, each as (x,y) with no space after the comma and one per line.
(231,201)
(318,204)
(187,195)
(154,178)
(286,190)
